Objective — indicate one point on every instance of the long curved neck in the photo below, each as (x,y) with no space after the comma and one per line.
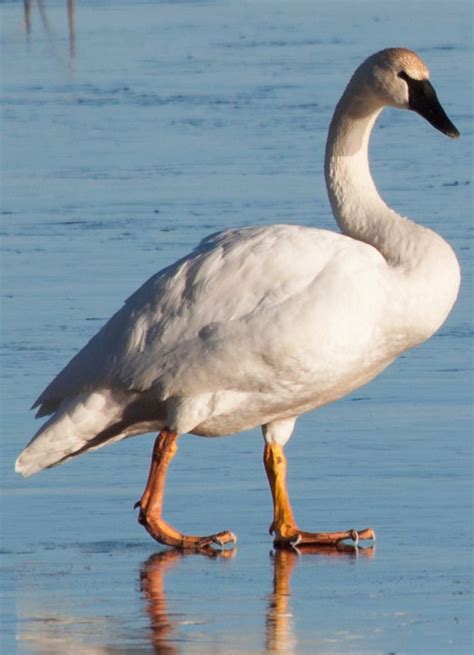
(429,273)
(358,208)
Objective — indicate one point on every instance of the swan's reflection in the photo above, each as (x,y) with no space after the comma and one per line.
(279,629)
(50,628)
(152,586)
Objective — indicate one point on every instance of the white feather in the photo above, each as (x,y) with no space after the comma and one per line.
(68,430)
(258,325)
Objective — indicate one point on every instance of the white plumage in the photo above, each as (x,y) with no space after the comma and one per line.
(258,325)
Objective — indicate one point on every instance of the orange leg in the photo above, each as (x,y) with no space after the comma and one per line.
(151,502)
(284,525)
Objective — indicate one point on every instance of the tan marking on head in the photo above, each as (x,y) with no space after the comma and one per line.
(406,60)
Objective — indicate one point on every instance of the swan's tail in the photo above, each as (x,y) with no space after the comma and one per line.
(71,430)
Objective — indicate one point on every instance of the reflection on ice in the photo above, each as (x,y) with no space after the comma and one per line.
(162,624)
(167,624)
(279,625)
(279,630)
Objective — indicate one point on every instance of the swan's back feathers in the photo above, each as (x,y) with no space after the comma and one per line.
(186,302)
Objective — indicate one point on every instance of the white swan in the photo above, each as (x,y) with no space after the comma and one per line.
(258,325)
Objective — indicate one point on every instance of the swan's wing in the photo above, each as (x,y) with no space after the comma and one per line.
(303,334)
(175,316)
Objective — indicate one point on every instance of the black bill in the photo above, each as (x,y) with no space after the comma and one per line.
(423,99)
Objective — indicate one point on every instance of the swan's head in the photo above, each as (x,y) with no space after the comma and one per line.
(399,78)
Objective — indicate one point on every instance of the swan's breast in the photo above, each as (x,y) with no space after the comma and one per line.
(427,289)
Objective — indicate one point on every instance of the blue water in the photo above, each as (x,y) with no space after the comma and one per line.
(171,121)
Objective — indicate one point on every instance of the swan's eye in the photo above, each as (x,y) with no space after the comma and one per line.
(403,75)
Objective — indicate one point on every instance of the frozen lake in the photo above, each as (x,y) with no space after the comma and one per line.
(171,121)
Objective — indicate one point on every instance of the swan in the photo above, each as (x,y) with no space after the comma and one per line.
(258,325)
